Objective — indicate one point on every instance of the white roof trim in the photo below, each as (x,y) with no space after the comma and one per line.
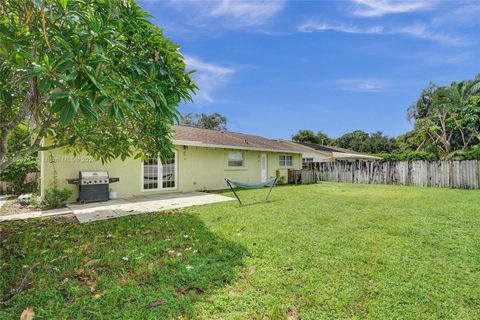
(221,146)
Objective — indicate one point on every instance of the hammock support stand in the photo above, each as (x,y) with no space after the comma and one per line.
(246,185)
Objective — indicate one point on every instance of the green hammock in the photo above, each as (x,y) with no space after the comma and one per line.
(249,185)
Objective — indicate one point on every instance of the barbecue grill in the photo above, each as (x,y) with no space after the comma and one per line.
(93,186)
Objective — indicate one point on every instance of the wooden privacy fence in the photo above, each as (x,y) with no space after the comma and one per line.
(444,174)
(303,176)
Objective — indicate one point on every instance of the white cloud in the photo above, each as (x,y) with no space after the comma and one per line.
(422,31)
(419,31)
(208,76)
(312,26)
(359,85)
(247,13)
(377,8)
(229,14)
(466,15)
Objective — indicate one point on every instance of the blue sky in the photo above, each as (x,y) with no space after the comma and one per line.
(274,67)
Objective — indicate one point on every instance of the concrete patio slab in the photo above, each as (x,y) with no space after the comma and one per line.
(151,203)
(124,207)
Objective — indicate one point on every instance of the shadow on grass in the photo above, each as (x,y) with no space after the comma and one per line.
(142,267)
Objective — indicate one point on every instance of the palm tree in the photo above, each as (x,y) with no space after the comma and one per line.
(462,114)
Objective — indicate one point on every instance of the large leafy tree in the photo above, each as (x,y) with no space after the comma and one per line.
(380,142)
(448,118)
(462,100)
(94,76)
(305,136)
(214,121)
(361,141)
(324,138)
(357,140)
(310,136)
(409,141)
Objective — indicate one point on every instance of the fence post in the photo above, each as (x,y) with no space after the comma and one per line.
(453,174)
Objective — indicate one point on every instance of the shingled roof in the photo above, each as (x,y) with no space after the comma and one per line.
(214,138)
(335,152)
(321,147)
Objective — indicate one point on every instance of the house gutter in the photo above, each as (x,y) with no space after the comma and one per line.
(221,146)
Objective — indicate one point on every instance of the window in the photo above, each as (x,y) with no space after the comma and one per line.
(286,161)
(306,162)
(159,176)
(169,173)
(235,159)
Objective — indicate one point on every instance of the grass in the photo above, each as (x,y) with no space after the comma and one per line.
(314,252)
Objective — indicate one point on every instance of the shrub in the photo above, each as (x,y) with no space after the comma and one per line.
(469,154)
(35,201)
(473,153)
(16,174)
(55,196)
(407,156)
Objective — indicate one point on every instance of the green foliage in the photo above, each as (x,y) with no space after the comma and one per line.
(447,119)
(214,121)
(55,196)
(96,76)
(310,137)
(407,155)
(324,139)
(408,141)
(16,174)
(473,153)
(361,141)
(35,201)
(305,136)
(19,139)
(469,154)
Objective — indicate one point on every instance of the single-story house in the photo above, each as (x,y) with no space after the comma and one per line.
(201,161)
(313,152)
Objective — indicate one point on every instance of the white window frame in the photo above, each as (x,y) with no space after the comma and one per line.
(285,165)
(160,175)
(243,159)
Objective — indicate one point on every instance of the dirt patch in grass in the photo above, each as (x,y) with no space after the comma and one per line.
(12,206)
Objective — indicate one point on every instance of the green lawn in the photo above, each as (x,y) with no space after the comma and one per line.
(314,252)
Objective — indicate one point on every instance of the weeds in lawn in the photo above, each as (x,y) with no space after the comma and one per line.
(321,251)
(157,265)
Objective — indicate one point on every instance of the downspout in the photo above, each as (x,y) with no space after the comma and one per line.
(42,170)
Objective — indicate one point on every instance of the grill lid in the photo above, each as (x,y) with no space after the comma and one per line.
(93,175)
(93,178)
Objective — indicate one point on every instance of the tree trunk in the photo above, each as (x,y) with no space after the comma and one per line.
(31,106)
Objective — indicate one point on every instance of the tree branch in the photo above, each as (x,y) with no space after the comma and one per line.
(53,146)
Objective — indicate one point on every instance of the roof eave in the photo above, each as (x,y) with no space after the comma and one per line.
(221,146)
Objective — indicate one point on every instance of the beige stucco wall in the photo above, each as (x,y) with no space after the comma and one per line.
(199,168)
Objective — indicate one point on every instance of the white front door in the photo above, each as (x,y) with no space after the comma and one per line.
(263,164)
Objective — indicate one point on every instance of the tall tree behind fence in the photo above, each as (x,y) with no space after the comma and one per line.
(444,174)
